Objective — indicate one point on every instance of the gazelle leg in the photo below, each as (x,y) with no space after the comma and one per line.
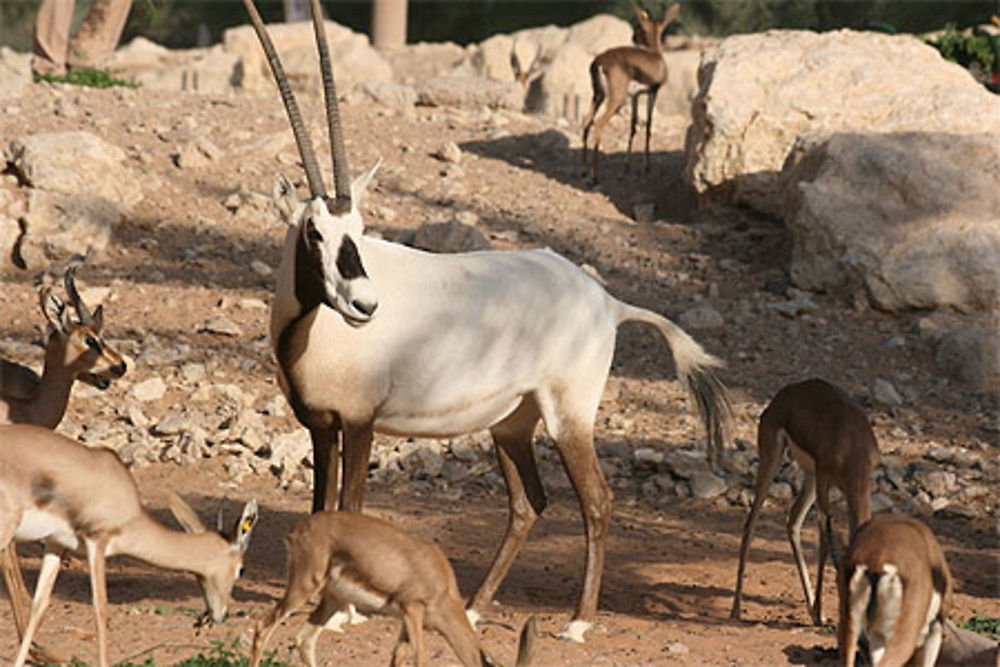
(43,594)
(413,619)
(771,454)
(357,454)
(796,518)
(297,593)
(96,558)
(526,497)
(306,640)
(633,124)
(650,103)
(450,620)
(20,599)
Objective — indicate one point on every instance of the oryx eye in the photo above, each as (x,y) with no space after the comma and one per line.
(312,234)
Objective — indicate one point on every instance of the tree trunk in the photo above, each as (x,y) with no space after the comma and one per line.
(389,24)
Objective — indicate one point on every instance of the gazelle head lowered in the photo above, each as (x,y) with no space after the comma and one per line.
(217,576)
(77,343)
(328,264)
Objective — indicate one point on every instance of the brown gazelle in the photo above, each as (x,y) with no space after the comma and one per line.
(72,497)
(612,71)
(349,558)
(74,350)
(896,590)
(828,435)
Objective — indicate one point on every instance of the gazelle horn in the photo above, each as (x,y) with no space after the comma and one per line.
(313,174)
(82,312)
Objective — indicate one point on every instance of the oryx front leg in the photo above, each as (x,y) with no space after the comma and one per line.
(526,497)
(326,467)
(357,454)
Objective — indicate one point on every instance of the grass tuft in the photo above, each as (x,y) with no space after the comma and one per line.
(88,77)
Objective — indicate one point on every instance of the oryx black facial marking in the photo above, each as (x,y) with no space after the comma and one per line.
(309,282)
(349,260)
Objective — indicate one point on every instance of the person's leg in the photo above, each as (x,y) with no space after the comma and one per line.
(52,26)
(95,42)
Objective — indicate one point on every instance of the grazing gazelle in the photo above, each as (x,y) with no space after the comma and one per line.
(827,433)
(74,350)
(72,497)
(374,336)
(896,590)
(348,558)
(613,70)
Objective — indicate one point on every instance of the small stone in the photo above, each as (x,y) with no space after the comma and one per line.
(701,317)
(782,491)
(705,485)
(222,326)
(644,213)
(261,268)
(449,152)
(149,390)
(884,393)
(678,648)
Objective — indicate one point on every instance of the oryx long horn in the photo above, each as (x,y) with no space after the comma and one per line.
(82,312)
(341,173)
(313,174)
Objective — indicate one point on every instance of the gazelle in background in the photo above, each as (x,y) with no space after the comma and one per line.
(827,433)
(896,590)
(612,71)
(374,336)
(348,558)
(74,350)
(72,497)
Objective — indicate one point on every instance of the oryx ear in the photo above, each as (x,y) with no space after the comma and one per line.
(185,514)
(284,198)
(360,184)
(243,529)
(56,313)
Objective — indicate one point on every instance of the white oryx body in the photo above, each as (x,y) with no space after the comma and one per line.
(373,336)
(458,340)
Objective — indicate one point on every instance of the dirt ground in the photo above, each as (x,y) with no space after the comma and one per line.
(183,257)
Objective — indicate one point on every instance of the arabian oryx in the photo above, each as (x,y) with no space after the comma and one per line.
(374,336)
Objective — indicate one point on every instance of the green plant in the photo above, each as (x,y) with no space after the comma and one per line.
(966,50)
(984,625)
(228,655)
(88,77)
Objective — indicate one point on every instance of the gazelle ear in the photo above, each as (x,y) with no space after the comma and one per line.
(99,318)
(243,529)
(670,13)
(360,184)
(185,514)
(284,198)
(56,313)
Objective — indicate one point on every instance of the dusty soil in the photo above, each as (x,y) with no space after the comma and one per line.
(183,257)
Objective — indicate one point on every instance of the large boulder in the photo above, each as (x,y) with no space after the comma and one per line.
(912,218)
(15,72)
(354,58)
(208,70)
(81,187)
(758,93)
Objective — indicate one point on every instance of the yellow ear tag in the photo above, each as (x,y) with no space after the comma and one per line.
(645,14)
(246,526)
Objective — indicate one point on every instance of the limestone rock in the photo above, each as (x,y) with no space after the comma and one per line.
(470,92)
(759,92)
(15,72)
(912,218)
(972,355)
(451,236)
(356,59)
(389,94)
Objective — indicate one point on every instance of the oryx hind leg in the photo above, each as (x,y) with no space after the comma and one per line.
(526,497)
(568,412)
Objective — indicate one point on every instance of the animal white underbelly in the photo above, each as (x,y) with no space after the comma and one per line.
(349,589)
(395,418)
(40,525)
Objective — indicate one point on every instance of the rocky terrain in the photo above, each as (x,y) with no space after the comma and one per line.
(185,271)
